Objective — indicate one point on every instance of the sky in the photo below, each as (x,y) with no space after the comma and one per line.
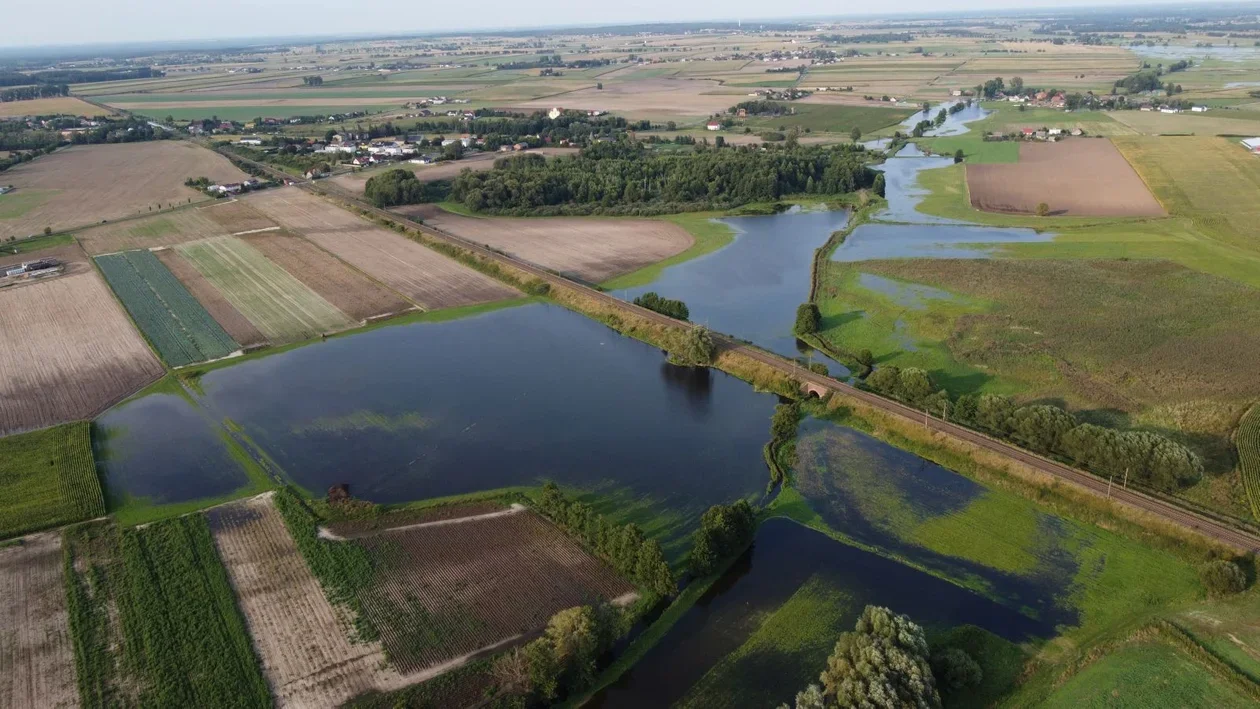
(30,24)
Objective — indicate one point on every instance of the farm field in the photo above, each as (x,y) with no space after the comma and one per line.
(442,591)
(1076,177)
(48,478)
(824,118)
(1182,124)
(279,305)
(1247,439)
(218,218)
(86,184)
(646,98)
(418,273)
(67,351)
(176,324)
(302,640)
(50,106)
(357,181)
(154,619)
(237,326)
(591,249)
(36,656)
(345,289)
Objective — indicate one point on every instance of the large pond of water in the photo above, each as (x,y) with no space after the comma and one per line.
(425,410)
(955,123)
(783,556)
(752,287)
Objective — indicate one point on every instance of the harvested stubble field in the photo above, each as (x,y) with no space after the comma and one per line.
(592,249)
(647,97)
(301,638)
(176,324)
(48,106)
(219,218)
(279,305)
(1076,177)
(48,478)
(444,591)
(211,298)
(346,289)
(67,352)
(36,653)
(357,181)
(426,277)
(86,184)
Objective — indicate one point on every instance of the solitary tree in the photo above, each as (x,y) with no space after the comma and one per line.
(883,662)
(599,86)
(958,156)
(1043,210)
(878,186)
(697,347)
(808,319)
(855,134)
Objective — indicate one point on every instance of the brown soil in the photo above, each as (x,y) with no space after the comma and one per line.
(591,249)
(426,277)
(339,284)
(1074,177)
(85,184)
(67,352)
(301,639)
(211,298)
(36,654)
(476,584)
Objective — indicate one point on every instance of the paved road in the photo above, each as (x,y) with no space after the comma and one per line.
(1169,511)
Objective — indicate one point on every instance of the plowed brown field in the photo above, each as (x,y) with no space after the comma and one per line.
(421,274)
(300,637)
(67,351)
(444,591)
(1076,177)
(339,284)
(84,184)
(36,652)
(211,298)
(591,249)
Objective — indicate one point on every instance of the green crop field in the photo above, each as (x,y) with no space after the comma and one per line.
(48,478)
(1145,675)
(279,305)
(154,619)
(1248,440)
(822,118)
(179,327)
(19,202)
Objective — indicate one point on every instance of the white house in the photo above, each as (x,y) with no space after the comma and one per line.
(251,140)
(713,125)
(1199,109)
(1252,144)
(1056,131)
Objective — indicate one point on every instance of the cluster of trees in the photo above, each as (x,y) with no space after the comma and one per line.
(312,81)
(665,306)
(1223,577)
(697,349)
(563,661)
(574,126)
(1139,456)
(625,547)
(883,662)
(285,158)
(399,186)
(725,530)
(623,177)
(759,108)
(1145,80)
(26,93)
(922,127)
(15,135)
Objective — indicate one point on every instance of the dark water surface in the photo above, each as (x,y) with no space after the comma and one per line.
(752,287)
(784,555)
(432,409)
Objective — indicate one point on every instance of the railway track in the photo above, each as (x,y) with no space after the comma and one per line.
(1163,509)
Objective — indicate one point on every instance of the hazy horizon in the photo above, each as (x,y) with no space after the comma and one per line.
(145,21)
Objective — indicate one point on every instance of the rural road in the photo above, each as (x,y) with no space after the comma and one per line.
(1168,511)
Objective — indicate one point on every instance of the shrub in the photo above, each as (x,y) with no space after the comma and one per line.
(955,670)
(725,530)
(1223,577)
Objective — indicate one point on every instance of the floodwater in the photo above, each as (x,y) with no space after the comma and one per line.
(783,556)
(887,241)
(508,397)
(901,185)
(1174,52)
(908,295)
(751,288)
(955,123)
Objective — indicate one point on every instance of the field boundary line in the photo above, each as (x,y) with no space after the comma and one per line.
(515,509)
(257,231)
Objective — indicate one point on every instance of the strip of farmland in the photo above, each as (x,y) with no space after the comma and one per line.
(179,328)
(67,352)
(219,218)
(425,276)
(48,478)
(279,305)
(444,591)
(336,282)
(36,654)
(300,637)
(237,326)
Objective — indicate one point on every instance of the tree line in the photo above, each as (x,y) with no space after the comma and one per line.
(623,177)
(1141,457)
(623,546)
(28,93)
(399,186)
(665,306)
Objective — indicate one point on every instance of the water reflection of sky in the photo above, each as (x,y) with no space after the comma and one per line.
(887,241)
(955,123)
(1174,52)
(914,296)
(901,185)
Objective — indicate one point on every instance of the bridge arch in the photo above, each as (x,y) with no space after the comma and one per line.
(817,391)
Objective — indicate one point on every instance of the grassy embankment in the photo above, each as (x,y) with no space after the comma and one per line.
(154,619)
(47,479)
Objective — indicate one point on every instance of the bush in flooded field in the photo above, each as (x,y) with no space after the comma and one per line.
(725,530)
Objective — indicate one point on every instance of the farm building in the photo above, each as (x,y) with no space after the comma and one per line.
(1252,144)
(713,125)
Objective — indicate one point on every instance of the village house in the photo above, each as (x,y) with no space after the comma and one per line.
(713,125)
(250,140)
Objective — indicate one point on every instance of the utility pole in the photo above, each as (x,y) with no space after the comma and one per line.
(1126,478)
(1109,479)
